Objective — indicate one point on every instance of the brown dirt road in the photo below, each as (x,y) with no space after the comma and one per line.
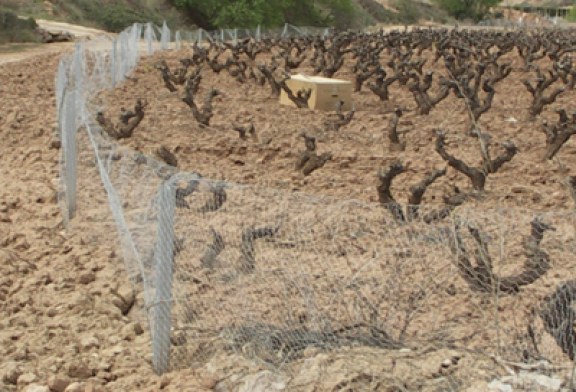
(23,52)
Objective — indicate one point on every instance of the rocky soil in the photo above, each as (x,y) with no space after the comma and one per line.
(70,319)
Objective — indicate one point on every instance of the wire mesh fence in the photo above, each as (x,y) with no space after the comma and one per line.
(270,280)
(270,274)
(128,180)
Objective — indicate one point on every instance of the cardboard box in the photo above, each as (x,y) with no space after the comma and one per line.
(326,92)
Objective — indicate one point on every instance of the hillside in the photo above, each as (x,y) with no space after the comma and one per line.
(115,15)
(111,15)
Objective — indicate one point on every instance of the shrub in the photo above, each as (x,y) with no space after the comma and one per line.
(15,29)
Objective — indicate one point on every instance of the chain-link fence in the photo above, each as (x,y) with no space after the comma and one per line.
(270,274)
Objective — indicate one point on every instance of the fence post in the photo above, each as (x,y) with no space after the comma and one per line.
(165,36)
(134,40)
(123,57)
(258,33)
(68,133)
(78,69)
(163,258)
(178,40)
(61,83)
(149,35)
(222,35)
(113,64)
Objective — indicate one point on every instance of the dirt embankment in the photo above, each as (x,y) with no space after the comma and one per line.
(20,52)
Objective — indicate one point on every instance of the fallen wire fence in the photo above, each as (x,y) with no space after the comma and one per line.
(269,274)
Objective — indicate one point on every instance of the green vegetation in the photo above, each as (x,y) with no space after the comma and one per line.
(571,17)
(400,12)
(14,29)
(115,15)
(211,14)
(467,9)
(111,15)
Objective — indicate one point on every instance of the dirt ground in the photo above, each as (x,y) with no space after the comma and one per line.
(20,52)
(70,319)
(359,149)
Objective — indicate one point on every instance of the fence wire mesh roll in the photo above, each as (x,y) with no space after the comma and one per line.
(271,275)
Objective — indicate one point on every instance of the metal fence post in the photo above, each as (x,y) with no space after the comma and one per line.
(113,64)
(61,84)
(149,35)
(178,40)
(78,69)
(165,36)
(68,133)
(163,257)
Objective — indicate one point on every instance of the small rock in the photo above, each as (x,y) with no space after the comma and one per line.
(75,387)
(108,309)
(11,373)
(105,366)
(36,388)
(44,279)
(138,328)
(106,377)
(116,350)
(26,378)
(519,189)
(89,342)
(499,386)
(537,197)
(87,277)
(263,382)
(128,332)
(164,382)
(208,381)
(79,370)
(90,387)
(124,298)
(55,144)
(58,384)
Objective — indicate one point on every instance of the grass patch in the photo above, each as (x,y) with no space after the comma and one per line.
(401,12)
(17,47)
(115,16)
(376,12)
(15,29)
(413,12)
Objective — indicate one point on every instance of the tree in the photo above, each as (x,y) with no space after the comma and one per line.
(467,9)
(211,14)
